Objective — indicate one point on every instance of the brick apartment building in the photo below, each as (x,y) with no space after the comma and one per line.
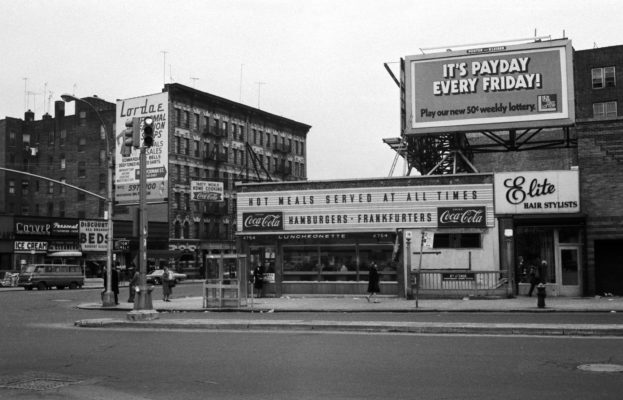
(210,138)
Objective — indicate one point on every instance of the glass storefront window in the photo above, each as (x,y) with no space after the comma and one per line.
(337,263)
(534,244)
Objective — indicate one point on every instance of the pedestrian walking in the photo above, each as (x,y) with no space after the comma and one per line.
(373,281)
(167,284)
(115,284)
(258,280)
(534,279)
(133,284)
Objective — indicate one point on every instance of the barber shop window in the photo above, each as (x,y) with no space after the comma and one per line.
(457,241)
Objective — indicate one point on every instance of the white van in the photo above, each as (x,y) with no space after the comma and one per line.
(46,276)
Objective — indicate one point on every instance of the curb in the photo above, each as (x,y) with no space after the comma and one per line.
(607,330)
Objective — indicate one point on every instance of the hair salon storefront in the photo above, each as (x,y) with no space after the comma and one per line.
(540,219)
(319,237)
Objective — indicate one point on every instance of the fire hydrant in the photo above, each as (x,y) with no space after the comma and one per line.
(541,295)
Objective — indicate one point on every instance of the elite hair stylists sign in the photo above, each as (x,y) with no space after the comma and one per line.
(537,192)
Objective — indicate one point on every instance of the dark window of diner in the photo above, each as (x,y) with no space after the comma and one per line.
(457,241)
(348,262)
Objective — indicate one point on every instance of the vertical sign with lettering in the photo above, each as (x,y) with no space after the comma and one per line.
(127,168)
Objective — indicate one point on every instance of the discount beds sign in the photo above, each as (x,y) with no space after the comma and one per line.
(501,87)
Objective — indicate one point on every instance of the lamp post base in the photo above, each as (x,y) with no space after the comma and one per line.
(143,298)
(108,299)
(142,315)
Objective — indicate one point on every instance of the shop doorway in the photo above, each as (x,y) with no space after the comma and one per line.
(569,269)
(608,267)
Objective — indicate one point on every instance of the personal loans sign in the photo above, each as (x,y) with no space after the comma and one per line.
(490,88)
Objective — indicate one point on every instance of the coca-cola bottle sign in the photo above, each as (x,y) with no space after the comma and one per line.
(452,217)
(262,221)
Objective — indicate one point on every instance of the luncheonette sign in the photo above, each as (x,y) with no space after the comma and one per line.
(537,192)
(366,208)
(501,87)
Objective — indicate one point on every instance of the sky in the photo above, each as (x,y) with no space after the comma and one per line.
(319,62)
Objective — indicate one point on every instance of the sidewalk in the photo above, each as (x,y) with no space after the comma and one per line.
(342,304)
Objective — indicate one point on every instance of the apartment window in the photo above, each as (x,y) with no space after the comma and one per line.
(102,182)
(187,201)
(178,173)
(26,139)
(81,196)
(82,143)
(603,77)
(178,201)
(11,186)
(186,120)
(37,210)
(457,241)
(25,187)
(63,137)
(51,137)
(50,209)
(605,110)
(63,187)
(186,146)
(50,187)
(186,174)
(37,186)
(254,136)
(197,121)
(11,138)
(102,158)
(206,122)
(261,138)
(241,133)
(178,145)
(178,117)
(63,162)
(267,139)
(82,169)
(61,208)
(225,128)
(196,148)
(186,230)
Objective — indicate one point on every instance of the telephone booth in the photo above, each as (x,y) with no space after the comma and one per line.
(226,281)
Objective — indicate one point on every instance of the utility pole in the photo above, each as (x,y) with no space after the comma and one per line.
(143,307)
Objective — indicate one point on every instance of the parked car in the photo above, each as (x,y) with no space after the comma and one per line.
(45,276)
(155,277)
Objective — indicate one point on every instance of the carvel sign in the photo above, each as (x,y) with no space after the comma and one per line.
(461,217)
(501,87)
(262,221)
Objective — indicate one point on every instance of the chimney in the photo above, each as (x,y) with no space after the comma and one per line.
(29,116)
(59,115)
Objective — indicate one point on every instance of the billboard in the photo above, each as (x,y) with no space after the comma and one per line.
(127,168)
(537,192)
(207,191)
(494,88)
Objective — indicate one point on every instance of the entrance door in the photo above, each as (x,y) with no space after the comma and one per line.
(568,270)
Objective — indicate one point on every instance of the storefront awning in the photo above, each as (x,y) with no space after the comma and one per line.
(65,254)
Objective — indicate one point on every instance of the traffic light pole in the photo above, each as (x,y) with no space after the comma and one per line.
(143,308)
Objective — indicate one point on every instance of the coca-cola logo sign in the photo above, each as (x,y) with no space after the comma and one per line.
(262,221)
(461,217)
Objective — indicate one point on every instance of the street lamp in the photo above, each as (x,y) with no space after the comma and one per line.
(108,300)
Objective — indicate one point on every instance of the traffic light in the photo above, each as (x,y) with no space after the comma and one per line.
(131,136)
(148,132)
(128,138)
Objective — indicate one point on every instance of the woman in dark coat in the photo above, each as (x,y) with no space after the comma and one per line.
(258,280)
(373,281)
